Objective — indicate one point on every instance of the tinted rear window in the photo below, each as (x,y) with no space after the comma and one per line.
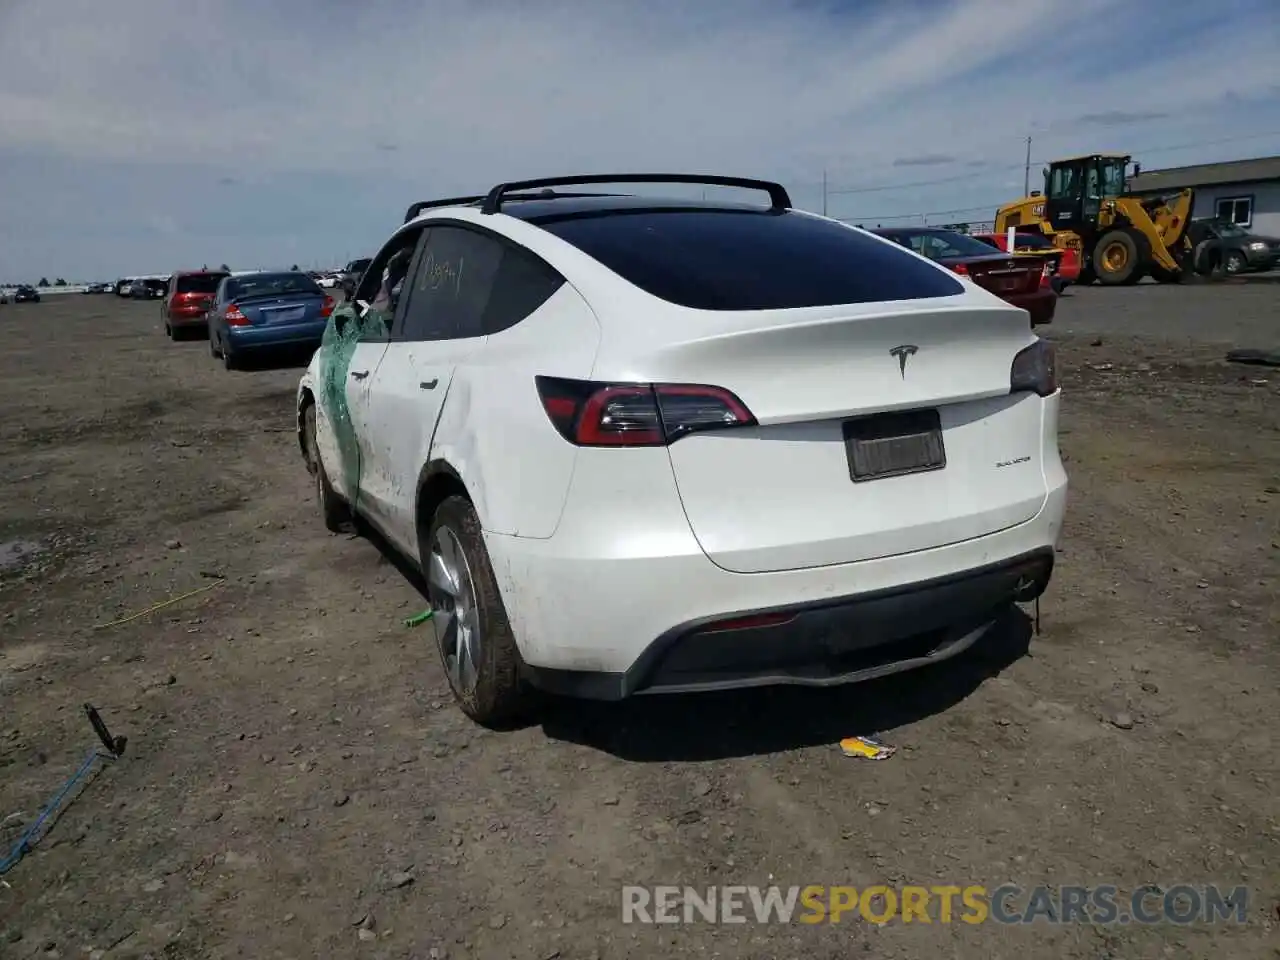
(749,260)
(200,283)
(271,285)
(1034,240)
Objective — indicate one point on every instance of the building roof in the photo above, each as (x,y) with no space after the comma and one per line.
(1207,175)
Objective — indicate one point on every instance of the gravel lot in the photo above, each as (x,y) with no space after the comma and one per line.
(297,783)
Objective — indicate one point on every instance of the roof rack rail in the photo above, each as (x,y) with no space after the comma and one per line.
(421,205)
(548,194)
(779,199)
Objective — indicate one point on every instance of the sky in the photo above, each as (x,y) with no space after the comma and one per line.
(141,136)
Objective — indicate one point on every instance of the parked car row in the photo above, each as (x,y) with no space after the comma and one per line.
(244,313)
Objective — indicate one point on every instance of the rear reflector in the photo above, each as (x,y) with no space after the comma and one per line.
(591,414)
(327,307)
(755,622)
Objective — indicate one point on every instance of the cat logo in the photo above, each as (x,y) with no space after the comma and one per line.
(1038,210)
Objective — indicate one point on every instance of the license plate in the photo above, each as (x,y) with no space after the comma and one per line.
(894,444)
(1006,285)
(285,314)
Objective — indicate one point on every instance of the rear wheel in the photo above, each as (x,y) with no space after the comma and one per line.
(229,359)
(1118,259)
(333,511)
(214,350)
(473,634)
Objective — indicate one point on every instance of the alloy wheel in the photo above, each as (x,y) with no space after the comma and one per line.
(451,590)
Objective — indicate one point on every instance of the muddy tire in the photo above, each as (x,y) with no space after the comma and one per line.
(473,635)
(1118,258)
(334,513)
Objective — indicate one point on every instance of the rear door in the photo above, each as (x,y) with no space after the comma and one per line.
(439,329)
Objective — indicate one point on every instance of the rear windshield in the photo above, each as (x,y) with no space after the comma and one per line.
(1033,240)
(939,244)
(358,266)
(270,285)
(155,284)
(749,260)
(200,283)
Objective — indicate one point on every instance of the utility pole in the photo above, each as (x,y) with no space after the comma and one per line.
(824,191)
(1026,171)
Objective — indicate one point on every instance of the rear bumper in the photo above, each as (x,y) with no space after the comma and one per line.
(608,607)
(184,319)
(1041,305)
(823,643)
(277,335)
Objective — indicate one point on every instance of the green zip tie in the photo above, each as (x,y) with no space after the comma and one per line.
(420,619)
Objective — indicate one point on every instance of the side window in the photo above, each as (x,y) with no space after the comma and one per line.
(381,284)
(451,285)
(524,283)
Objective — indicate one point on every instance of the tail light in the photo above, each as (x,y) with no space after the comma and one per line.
(327,307)
(591,414)
(1035,369)
(234,317)
(961,269)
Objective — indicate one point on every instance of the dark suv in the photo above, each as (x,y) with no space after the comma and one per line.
(187,299)
(148,289)
(352,273)
(1234,248)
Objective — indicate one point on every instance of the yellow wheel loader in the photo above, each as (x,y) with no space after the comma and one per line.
(1119,238)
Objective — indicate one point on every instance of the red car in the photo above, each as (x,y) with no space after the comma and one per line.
(1068,270)
(189,296)
(1017,280)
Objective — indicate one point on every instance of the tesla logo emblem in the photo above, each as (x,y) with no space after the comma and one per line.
(902,352)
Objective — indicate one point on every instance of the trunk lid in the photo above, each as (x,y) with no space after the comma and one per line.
(839,391)
(192,301)
(1002,275)
(282,310)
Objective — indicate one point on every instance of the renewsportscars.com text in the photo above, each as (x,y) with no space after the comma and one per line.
(971,904)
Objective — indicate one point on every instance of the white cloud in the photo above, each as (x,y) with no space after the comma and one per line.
(453,96)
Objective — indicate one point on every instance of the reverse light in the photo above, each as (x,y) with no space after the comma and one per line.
(234,317)
(591,414)
(1035,369)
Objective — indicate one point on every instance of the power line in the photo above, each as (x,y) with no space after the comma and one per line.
(994,168)
(924,213)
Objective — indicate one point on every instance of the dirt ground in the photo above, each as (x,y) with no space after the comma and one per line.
(297,783)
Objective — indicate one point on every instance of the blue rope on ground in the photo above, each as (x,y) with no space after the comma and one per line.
(31,834)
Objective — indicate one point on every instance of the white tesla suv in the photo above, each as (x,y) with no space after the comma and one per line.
(645,445)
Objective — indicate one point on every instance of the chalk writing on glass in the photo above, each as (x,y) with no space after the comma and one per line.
(442,274)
